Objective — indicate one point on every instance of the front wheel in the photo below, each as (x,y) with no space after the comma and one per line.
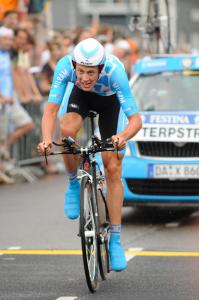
(88,235)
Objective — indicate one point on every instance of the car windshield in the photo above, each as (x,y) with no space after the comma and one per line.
(167,91)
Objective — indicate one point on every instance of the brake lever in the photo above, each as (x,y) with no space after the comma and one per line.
(97,141)
(56,144)
(46,159)
(109,140)
(117,150)
(70,143)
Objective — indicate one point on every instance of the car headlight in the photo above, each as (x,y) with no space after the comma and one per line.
(128,150)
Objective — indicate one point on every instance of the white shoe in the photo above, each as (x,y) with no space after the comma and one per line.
(5,178)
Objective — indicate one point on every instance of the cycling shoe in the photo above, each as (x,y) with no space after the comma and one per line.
(117,255)
(72,200)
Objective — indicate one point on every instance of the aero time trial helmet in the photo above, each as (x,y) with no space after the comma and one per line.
(89,52)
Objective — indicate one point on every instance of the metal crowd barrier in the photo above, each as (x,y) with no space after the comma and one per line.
(25,150)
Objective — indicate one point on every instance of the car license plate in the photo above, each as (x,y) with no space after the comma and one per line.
(173,171)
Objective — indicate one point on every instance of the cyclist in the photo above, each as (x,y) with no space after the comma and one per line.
(100,84)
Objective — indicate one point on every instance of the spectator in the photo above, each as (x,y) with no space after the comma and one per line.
(67,41)
(57,37)
(106,31)
(10,19)
(3,137)
(123,51)
(25,83)
(28,25)
(6,5)
(37,16)
(11,110)
(47,72)
(81,33)
(135,50)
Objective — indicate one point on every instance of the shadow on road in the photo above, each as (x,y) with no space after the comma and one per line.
(156,216)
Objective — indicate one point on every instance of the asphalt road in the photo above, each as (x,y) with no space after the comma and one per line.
(40,251)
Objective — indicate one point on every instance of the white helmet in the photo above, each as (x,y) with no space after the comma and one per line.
(89,52)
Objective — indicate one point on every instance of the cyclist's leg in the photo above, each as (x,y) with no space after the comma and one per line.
(70,124)
(113,170)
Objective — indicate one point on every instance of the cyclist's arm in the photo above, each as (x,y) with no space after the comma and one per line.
(60,81)
(61,78)
(48,121)
(120,85)
(132,128)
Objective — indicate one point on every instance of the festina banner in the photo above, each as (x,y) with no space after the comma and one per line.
(173,127)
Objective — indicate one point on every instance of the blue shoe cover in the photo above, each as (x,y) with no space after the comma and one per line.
(116,253)
(72,200)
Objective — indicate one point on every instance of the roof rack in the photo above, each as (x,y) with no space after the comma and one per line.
(172,55)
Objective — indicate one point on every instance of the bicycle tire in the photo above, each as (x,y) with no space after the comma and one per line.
(158,26)
(88,234)
(103,253)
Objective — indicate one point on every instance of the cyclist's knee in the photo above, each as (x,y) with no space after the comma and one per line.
(69,126)
(68,131)
(112,171)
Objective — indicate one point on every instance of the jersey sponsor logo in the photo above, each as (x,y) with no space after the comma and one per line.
(73,105)
(119,92)
(62,75)
(127,109)
(57,96)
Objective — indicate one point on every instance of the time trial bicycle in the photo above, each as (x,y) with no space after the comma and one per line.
(94,221)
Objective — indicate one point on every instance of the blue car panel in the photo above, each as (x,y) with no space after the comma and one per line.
(161,166)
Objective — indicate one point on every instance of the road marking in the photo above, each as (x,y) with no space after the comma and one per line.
(131,253)
(79,252)
(40,252)
(14,248)
(164,253)
(66,298)
(172,224)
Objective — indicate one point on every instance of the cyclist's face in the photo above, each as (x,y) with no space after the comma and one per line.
(87,76)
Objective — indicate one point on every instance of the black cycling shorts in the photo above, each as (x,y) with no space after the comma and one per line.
(107,107)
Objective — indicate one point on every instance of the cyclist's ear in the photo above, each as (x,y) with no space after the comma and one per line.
(100,68)
(74,64)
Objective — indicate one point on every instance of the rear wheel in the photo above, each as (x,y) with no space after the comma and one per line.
(158,26)
(104,266)
(88,235)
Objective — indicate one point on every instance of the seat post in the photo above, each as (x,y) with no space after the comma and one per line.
(92,114)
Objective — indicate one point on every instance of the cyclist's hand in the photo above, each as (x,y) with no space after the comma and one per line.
(44,148)
(118,142)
